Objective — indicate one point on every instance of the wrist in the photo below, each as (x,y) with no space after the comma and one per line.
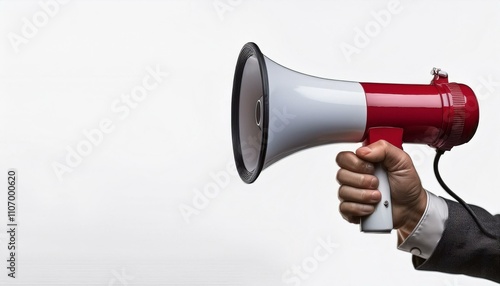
(414,215)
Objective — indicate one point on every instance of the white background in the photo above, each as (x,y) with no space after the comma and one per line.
(116,219)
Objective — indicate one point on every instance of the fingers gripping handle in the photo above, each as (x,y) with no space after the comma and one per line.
(381,219)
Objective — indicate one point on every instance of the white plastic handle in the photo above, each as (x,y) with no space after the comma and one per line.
(381,219)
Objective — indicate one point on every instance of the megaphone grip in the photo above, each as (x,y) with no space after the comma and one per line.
(381,219)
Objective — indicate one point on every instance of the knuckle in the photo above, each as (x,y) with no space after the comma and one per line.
(341,176)
(358,209)
(344,208)
(365,196)
(341,211)
(367,167)
(362,179)
(365,180)
(341,157)
(365,209)
(341,193)
(353,209)
(384,143)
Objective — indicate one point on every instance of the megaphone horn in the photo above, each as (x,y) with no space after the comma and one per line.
(276,111)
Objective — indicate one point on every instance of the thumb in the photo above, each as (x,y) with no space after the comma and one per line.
(391,157)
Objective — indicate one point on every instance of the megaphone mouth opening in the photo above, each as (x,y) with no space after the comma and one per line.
(249,112)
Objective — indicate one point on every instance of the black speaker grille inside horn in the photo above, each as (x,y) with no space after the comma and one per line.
(240,107)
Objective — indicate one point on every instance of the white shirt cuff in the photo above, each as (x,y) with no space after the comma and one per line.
(426,235)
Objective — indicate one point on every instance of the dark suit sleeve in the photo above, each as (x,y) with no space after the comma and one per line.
(463,248)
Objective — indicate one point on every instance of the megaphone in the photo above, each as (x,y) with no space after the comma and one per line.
(276,111)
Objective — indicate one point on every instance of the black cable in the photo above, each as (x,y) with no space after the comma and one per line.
(457,198)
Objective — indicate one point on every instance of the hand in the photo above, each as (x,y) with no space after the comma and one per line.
(358,192)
